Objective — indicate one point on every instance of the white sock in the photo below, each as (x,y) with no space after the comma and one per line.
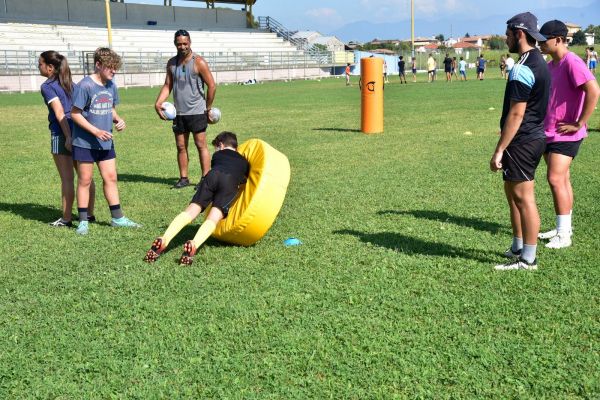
(563,224)
(517,244)
(528,253)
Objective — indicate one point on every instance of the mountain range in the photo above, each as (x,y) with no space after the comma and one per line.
(364,31)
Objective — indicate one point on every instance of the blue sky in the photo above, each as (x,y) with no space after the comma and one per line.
(330,15)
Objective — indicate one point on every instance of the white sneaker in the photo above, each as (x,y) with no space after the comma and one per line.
(547,235)
(559,242)
(519,263)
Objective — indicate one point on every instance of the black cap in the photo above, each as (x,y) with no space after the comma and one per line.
(527,22)
(554,28)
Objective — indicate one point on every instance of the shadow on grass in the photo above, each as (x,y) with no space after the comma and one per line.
(594,130)
(35,212)
(412,246)
(443,216)
(337,130)
(146,179)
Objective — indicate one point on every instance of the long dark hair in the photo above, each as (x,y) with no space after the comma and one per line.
(62,72)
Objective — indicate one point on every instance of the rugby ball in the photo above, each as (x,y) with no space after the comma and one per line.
(169,110)
(214,115)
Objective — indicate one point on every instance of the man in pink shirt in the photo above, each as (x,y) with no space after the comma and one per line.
(573,96)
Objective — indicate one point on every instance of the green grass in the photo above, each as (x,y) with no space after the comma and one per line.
(391,295)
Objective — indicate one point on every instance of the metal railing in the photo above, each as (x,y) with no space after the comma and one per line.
(20,62)
(272,25)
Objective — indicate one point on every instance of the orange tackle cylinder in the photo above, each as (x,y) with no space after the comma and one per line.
(371,95)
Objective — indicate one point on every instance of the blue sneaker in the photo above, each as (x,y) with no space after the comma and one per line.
(82,228)
(124,222)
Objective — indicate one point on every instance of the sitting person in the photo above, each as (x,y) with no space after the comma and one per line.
(229,170)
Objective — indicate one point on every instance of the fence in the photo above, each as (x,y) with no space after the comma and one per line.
(226,67)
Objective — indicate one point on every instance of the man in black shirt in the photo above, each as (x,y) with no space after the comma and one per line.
(448,68)
(522,138)
(229,170)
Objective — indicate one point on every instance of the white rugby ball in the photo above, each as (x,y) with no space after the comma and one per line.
(169,110)
(214,115)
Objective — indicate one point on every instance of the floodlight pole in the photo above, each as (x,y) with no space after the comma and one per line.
(412,26)
(108,25)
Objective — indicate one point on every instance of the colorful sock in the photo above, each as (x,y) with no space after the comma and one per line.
(115,211)
(528,253)
(563,224)
(206,229)
(83,213)
(175,227)
(517,244)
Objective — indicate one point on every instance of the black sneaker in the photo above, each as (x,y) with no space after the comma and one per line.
(61,223)
(181,183)
(91,218)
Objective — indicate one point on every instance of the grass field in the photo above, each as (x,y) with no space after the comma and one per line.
(391,295)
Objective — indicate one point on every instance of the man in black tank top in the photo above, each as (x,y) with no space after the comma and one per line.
(219,188)
(187,73)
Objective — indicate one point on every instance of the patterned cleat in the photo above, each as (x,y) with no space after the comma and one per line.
(61,223)
(124,222)
(512,254)
(155,250)
(517,264)
(189,251)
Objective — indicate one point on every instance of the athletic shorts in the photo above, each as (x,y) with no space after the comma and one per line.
(57,141)
(414,70)
(93,155)
(480,70)
(218,188)
(190,123)
(57,145)
(401,73)
(448,70)
(593,64)
(519,161)
(463,73)
(569,149)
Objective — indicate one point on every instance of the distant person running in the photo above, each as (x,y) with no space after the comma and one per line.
(57,92)
(510,63)
(187,73)
(401,67)
(573,96)
(218,189)
(94,113)
(347,71)
(481,62)
(462,69)
(448,68)
(413,68)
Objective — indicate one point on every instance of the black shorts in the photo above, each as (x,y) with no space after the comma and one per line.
(519,161)
(480,70)
(448,70)
(401,72)
(569,149)
(190,123)
(218,188)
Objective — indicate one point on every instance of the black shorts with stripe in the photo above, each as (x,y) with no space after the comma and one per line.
(218,188)
(520,160)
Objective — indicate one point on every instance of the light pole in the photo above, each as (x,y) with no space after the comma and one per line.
(108,25)
(412,26)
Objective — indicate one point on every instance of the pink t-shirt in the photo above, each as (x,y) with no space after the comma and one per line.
(566,97)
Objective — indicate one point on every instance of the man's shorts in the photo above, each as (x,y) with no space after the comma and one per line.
(519,161)
(218,188)
(480,70)
(401,73)
(57,145)
(414,70)
(592,64)
(190,123)
(93,155)
(569,149)
(448,70)
(463,73)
